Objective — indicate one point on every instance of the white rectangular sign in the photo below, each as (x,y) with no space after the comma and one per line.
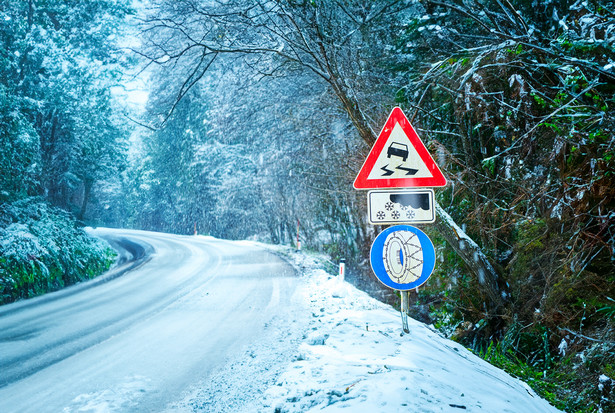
(401,207)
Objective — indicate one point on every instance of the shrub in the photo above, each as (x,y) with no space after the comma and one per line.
(42,250)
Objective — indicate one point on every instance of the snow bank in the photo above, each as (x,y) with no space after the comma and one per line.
(353,358)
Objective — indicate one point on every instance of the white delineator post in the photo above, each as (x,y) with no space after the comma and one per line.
(298,242)
(342,272)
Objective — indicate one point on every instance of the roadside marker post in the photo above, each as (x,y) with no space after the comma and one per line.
(402,257)
(298,241)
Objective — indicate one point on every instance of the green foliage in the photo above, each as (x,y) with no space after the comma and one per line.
(42,250)
(489,165)
(507,360)
(19,151)
(608,310)
(59,129)
(529,136)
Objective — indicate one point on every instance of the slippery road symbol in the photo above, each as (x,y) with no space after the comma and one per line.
(387,171)
(398,159)
(409,171)
(398,150)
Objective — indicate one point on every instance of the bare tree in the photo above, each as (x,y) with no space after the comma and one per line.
(343,43)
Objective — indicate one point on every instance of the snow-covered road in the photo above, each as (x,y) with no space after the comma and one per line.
(143,341)
(218,326)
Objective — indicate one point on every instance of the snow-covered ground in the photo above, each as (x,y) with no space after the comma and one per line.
(353,358)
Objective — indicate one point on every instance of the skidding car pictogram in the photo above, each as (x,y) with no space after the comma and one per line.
(398,149)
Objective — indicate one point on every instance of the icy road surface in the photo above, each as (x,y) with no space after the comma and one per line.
(143,341)
(217,326)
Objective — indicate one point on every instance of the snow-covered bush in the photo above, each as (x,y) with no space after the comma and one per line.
(41,250)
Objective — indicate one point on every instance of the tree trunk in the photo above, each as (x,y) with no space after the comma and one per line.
(357,117)
(476,261)
(86,197)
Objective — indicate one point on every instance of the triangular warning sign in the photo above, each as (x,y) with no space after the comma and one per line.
(398,159)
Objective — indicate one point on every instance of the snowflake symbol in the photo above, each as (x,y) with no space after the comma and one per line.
(388,206)
(380,215)
(395,214)
(410,214)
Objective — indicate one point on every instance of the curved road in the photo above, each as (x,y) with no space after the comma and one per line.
(142,337)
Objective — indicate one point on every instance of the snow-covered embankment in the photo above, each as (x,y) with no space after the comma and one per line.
(353,358)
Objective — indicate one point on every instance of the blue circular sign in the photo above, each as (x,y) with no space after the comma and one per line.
(402,257)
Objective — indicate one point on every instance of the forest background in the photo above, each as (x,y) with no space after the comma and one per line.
(259,116)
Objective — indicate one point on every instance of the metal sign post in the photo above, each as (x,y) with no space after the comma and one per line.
(404,310)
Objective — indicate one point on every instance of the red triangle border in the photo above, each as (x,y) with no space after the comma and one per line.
(397,117)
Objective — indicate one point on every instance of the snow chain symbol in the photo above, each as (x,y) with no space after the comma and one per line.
(403,257)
